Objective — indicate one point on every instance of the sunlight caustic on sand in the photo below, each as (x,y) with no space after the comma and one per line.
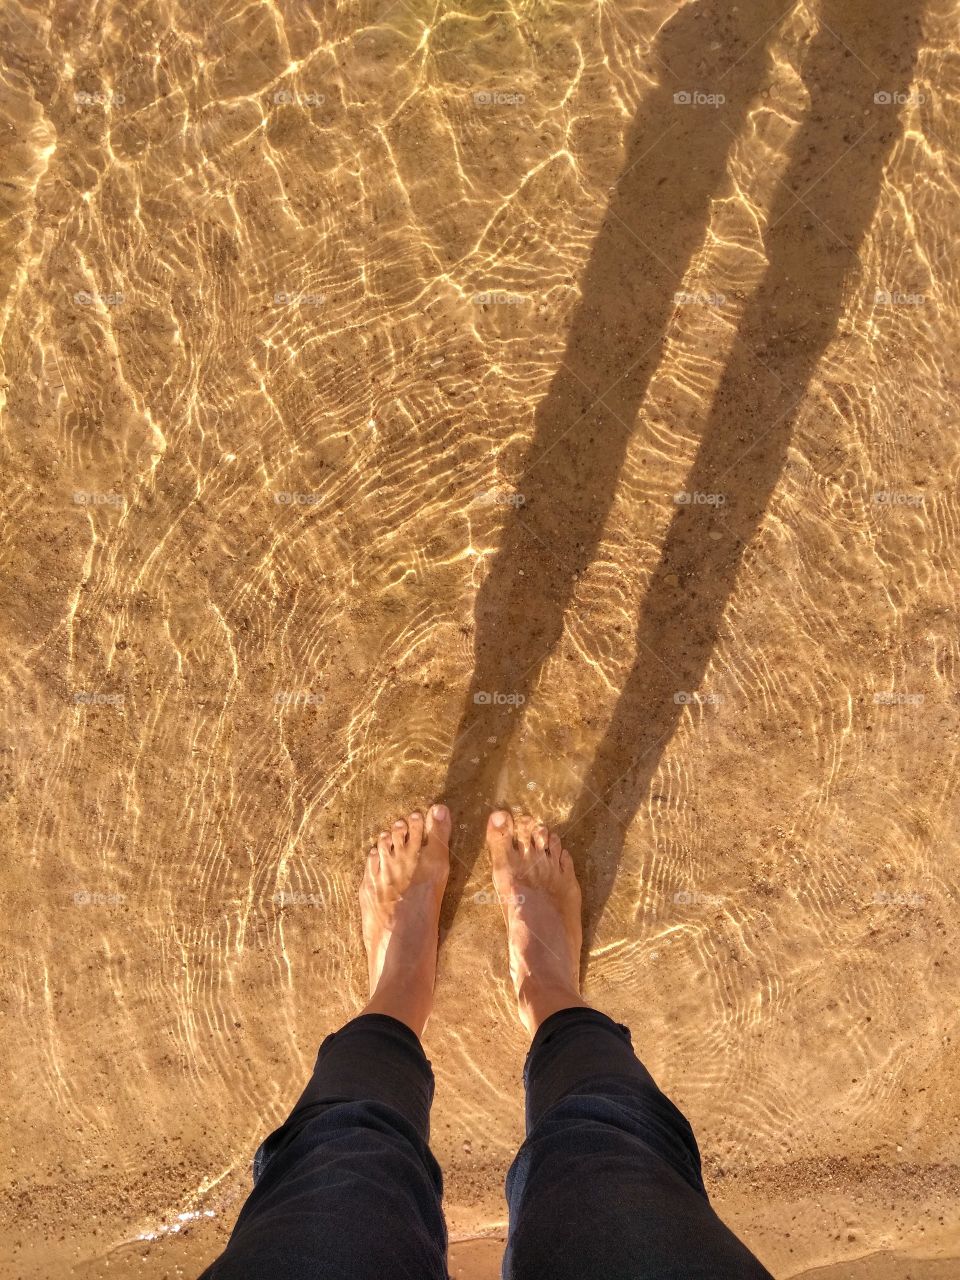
(551,404)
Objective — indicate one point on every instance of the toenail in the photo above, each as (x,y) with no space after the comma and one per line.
(384,834)
(499,819)
(440,812)
(416,814)
(397,824)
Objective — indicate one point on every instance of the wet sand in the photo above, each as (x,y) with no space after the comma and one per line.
(543,404)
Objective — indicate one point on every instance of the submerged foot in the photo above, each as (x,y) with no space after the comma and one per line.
(400,896)
(540,896)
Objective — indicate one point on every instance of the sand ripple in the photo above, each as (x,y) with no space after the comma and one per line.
(403,401)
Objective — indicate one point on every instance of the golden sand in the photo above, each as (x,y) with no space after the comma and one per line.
(553,404)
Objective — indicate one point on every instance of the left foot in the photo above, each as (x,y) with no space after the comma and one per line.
(400,898)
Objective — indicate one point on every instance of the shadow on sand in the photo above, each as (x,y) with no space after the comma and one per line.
(677,156)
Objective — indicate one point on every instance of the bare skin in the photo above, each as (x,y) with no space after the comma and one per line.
(400,896)
(540,895)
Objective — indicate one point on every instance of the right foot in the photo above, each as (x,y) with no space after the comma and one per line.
(540,896)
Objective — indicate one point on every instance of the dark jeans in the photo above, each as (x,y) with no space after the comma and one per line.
(607,1185)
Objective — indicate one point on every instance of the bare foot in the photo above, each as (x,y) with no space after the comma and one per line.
(400,896)
(540,896)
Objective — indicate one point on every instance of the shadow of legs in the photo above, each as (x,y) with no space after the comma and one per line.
(654,224)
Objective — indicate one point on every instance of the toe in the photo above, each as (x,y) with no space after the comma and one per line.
(525,829)
(438,824)
(541,838)
(414,830)
(500,832)
(373,863)
(398,835)
(555,846)
(567,868)
(385,844)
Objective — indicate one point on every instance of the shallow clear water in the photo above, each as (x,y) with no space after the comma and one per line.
(551,404)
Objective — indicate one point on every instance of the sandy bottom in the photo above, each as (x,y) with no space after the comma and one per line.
(553,404)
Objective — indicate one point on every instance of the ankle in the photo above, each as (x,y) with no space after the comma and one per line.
(407,997)
(405,973)
(538,1000)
